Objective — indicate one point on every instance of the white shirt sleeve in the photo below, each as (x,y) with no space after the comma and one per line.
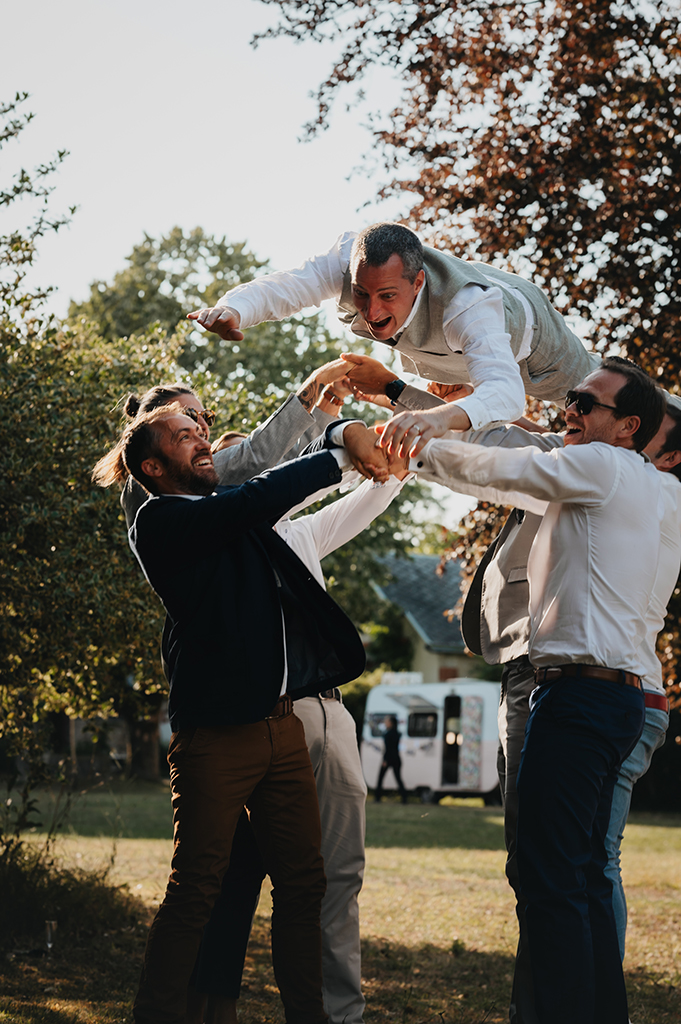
(276,296)
(584,474)
(336,524)
(474,324)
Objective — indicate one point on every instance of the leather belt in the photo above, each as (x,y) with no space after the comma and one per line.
(609,675)
(656,700)
(333,694)
(283,707)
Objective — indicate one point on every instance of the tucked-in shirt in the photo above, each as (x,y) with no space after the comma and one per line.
(594,561)
(473,324)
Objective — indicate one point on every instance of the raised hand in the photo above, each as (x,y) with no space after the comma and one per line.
(310,391)
(221,320)
(449,392)
(367,374)
(407,433)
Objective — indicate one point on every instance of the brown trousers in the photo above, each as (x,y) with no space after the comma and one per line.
(213,773)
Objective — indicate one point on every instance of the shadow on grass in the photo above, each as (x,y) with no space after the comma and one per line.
(426,825)
(94,980)
(142,811)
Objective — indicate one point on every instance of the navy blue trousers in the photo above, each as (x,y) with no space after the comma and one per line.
(578,734)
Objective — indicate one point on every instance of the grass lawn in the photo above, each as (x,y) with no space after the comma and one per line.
(437,918)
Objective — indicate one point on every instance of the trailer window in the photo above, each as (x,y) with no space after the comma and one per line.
(422,723)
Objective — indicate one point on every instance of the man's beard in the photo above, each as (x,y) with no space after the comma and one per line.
(191,482)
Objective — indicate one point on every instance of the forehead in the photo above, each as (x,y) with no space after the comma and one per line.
(172,426)
(389,275)
(604,384)
(187,400)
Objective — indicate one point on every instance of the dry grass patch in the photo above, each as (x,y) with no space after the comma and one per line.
(437,921)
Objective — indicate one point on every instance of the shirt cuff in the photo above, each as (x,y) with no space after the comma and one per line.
(335,435)
(415,464)
(483,414)
(342,458)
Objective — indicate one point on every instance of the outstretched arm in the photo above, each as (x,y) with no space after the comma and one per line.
(276,296)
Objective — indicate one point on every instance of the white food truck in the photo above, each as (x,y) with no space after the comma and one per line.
(449,735)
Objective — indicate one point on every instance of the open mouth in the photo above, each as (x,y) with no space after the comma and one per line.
(379,325)
(203,461)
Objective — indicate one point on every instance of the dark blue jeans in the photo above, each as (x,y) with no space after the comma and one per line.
(578,734)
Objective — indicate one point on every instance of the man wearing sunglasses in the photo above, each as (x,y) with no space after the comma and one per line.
(592,572)
(495,624)
(451,320)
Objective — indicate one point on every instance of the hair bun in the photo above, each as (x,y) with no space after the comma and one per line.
(132,405)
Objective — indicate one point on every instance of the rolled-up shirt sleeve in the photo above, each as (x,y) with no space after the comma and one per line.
(278,295)
(476,327)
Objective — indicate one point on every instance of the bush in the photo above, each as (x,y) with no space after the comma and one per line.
(35,889)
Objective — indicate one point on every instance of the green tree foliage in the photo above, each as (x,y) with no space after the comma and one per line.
(79,625)
(541,136)
(168,277)
(544,134)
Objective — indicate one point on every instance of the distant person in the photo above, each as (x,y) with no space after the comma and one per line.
(391,759)
(451,320)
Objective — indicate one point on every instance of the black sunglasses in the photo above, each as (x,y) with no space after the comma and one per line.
(584,402)
(207,414)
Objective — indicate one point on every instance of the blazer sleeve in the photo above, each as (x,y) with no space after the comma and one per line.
(173,526)
(267,445)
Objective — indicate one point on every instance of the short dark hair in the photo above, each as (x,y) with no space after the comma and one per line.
(639,396)
(139,441)
(377,243)
(672,442)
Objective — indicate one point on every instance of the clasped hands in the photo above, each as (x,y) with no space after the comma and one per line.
(400,439)
(369,457)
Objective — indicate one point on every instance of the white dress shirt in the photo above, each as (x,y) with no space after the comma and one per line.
(669,562)
(316,535)
(473,324)
(667,576)
(594,561)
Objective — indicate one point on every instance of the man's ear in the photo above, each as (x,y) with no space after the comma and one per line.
(152,467)
(628,427)
(419,281)
(668,461)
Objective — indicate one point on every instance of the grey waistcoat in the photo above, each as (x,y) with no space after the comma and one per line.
(496,618)
(557,362)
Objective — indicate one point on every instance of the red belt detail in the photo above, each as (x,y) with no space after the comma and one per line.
(656,700)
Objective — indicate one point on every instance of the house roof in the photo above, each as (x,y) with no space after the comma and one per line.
(423,596)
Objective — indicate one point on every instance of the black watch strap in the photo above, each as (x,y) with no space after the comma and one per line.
(394,389)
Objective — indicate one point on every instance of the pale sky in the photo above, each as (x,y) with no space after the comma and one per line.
(171,117)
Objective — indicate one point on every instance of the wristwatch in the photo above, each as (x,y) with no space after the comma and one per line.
(394,389)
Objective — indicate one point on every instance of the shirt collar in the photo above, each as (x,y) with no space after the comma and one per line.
(412,313)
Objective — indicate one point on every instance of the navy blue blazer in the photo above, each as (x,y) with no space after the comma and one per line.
(224,577)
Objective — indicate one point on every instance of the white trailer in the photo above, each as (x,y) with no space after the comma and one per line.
(449,735)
